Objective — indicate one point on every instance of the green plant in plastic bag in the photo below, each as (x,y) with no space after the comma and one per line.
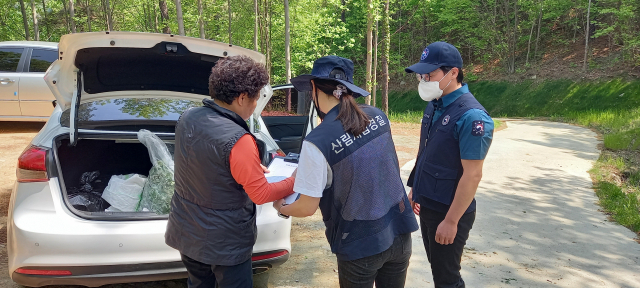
(159,188)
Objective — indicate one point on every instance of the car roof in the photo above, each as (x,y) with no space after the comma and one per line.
(30,44)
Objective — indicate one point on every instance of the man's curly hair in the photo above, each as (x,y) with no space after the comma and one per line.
(235,75)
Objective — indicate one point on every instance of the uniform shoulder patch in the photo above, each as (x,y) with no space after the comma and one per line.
(477,128)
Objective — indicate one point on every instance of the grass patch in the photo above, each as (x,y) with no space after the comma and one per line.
(616,184)
(407,116)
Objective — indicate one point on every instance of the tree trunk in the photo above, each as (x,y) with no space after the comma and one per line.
(88,17)
(512,65)
(367,100)
(375,65)
(155,17)
(287,52)
(343,15)
(269,42)
(399,27)
(586,39)
(255,26)
(229,10)
(533,25)
(72,15)
(34,13)
(24,21)
(151,13)
(385,58)
(179,17)
(535,52)
(266,33)
(66,15)
(46,22)
(107,8)
(200,20)
(164,16)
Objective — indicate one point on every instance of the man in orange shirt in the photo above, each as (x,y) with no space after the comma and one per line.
(218,178)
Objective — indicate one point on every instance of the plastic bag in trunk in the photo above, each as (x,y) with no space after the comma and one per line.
(86,197)
(158,190)
(124,191)
(90,202)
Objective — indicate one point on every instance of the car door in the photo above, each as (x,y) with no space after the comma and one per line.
(288,126)
(35,96)
(11,62)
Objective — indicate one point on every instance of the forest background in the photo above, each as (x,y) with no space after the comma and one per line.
(499,39)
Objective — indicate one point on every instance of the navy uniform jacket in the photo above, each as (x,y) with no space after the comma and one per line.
(366,206)
(454,127)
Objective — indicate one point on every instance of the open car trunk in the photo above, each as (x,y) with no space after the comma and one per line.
(108,155)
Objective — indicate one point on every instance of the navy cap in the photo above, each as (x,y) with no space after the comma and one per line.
(331,68)
(436,55)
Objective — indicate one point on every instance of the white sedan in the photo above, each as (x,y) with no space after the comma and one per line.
(108,86)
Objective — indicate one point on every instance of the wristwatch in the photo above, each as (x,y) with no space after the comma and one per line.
(282,215)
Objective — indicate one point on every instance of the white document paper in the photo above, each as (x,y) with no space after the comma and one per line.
(279,167)
(280,170)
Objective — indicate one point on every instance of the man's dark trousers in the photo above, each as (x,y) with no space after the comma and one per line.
(207,276)
(445,259)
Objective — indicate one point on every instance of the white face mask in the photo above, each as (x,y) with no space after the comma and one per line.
(431,90)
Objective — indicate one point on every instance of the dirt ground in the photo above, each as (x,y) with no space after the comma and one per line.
(311,264)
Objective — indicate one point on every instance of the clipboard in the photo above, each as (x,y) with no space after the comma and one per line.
(282,168)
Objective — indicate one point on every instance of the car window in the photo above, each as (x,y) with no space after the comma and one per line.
(277,105)
(41,59)
(9,58)
(127,112)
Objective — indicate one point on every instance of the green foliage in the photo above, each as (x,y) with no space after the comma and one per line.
(406,116)
(621,200)
(612,107)
(496,32)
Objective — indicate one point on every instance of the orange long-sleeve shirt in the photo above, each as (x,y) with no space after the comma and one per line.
(245,169)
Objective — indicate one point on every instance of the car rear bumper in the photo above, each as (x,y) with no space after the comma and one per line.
(43,235)
(95,276)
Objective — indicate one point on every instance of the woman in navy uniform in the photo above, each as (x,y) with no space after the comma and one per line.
(349,168)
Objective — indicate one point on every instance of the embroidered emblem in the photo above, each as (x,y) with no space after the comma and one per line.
(477,128)
(425,53)
(445,121)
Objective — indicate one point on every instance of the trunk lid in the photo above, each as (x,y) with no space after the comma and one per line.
(108,65)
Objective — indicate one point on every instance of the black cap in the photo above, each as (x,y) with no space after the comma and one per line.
(436,55)
(331,68)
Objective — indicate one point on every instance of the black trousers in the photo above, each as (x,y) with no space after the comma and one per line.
(445,259)
(387,269)
(203,275)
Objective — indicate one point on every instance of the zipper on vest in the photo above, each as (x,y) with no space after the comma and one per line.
(430,126)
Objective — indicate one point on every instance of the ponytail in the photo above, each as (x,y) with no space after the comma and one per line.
(353,119)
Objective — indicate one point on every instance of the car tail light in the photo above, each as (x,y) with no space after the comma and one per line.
(44,272)
(32,165)
(269,256)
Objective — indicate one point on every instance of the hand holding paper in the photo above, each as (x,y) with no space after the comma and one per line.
(280,170)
